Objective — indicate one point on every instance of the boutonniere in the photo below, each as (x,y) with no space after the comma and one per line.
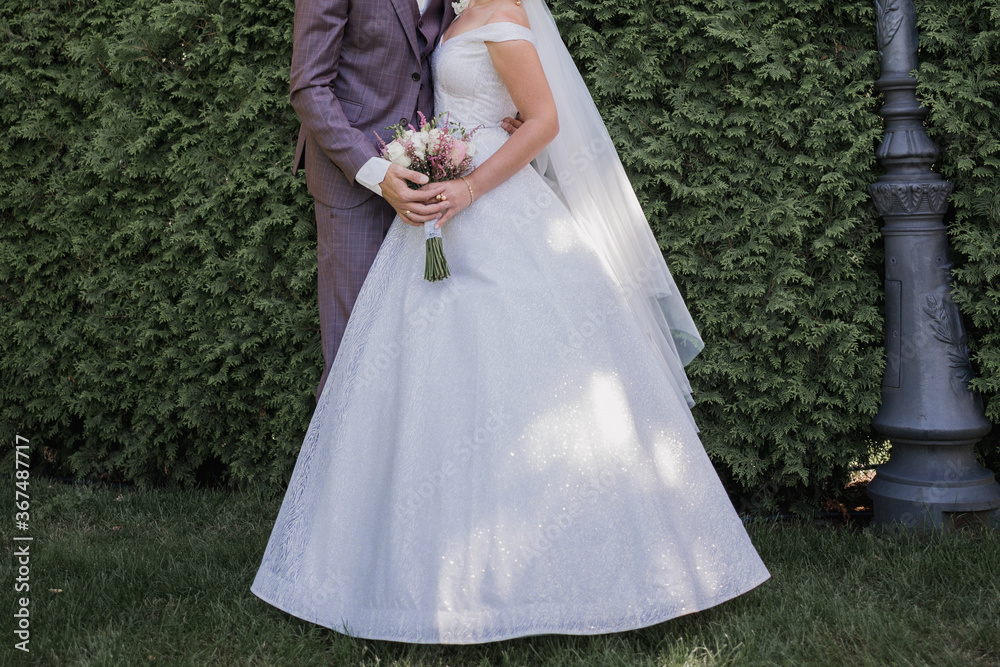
(460,6)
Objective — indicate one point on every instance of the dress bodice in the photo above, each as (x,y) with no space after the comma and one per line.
(466,83)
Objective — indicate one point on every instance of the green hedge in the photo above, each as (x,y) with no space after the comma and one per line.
(157,258)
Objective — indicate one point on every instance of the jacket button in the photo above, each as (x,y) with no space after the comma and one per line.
(404,121)
(416,76)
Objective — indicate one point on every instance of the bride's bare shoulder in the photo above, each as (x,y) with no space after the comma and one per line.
(508,11)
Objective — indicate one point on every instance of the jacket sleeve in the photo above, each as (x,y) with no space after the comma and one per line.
(317,40)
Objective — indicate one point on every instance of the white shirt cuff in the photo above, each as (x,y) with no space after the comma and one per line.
(373,173)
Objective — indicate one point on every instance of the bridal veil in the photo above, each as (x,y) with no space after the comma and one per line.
(584,169)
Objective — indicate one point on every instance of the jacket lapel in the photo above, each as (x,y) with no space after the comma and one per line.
(409,15)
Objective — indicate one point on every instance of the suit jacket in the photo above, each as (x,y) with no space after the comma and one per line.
(358,66)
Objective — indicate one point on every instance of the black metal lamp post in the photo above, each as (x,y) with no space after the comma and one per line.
(928,411)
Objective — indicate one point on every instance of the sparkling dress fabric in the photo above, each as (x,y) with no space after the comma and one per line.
(497,454)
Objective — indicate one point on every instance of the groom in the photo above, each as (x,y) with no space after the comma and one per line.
(358,67)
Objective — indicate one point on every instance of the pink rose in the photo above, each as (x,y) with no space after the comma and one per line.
(457,153)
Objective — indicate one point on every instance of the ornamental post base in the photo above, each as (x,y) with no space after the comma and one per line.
(933,486)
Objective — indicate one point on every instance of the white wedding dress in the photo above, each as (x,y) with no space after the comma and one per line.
(498,454)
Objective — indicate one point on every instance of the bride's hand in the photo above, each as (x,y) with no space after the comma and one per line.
(458,198)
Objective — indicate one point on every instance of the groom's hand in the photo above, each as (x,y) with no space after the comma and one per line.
(415,207)
(511,124)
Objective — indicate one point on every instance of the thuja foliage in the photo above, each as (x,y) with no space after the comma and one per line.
(748,128)
(157,258)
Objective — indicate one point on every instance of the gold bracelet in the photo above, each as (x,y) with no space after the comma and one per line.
(472,197)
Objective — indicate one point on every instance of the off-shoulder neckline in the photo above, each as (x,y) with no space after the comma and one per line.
(441,43)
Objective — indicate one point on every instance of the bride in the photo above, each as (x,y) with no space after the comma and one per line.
(510,451)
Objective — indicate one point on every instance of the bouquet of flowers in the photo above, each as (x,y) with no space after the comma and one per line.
(442,151)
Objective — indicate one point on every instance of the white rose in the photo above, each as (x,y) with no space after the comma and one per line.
(397,154)
(471,150)
(419,142)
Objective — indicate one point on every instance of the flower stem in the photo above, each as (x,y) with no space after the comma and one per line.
(436,267)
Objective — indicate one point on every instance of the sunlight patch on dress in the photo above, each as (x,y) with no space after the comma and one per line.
(611,411)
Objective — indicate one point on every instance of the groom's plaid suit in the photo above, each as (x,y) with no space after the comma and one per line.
(358,66)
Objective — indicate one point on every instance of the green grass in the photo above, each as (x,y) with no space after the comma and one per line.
(163,577)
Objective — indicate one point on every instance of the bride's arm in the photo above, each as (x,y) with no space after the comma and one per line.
(520,69)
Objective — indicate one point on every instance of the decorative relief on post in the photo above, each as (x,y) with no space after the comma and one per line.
(944,328)
(888,18)
(896,198)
